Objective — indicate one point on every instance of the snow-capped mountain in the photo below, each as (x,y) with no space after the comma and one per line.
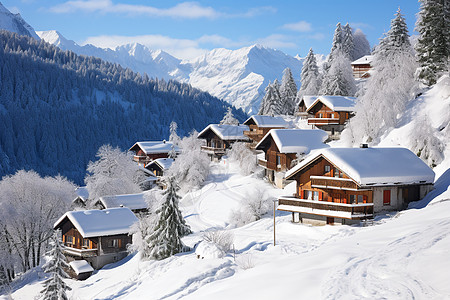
(15,23)
(236,76)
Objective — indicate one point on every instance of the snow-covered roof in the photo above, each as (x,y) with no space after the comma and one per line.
(267,121)
(309,100)
(153,147)
(82,192)
(336,103)
(367,59)
(227,132)
(81,266)
(163,163)
(296,140)
(374,166)
(132,201)
(94,222)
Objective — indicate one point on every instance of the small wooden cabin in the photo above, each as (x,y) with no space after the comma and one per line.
(97,236)
(145,152)
(259,126)
(362,66)
(330,113)
(346,185)
(135,202)
(220,137)
(282,146)
(81,269)
(304,104)
(159,166)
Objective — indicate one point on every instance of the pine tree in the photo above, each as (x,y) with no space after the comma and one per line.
(55,287)
(337,45)
(347,41)
(432,47)
(165,240)
(310,76)
(228,118)
(271,103)
(173,137)
(361,46)
(288,93)
(339,80)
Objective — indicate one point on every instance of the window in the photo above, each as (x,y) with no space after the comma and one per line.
(336,173)
(387,197)
(113,243)
(70,239)
(308,195)
(327,169)
(316,196)
(353,199)
(360,199)
(320,115)
(278,160)
(86,243)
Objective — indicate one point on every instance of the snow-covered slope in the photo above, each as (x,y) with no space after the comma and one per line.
(15,23)
(236,76)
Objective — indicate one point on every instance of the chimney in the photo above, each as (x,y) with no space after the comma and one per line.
(363,145)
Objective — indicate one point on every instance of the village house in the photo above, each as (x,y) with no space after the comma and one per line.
(362,66)
(259,126)
(220,137)
(135,202)
(145,152)
(303,105)
(282,147)
(97,236)
(346,185)
(159,166)
(331,113)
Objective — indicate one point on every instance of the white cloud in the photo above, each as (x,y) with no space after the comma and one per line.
(301,26)
(185,10)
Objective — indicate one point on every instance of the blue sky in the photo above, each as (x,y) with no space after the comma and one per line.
(187,29)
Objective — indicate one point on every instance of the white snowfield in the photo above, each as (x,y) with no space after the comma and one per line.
(401,256)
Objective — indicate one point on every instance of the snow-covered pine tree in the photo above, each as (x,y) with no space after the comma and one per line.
(55,287)
(165,240)
(310,76)
(288,93)
(361,45)
(228,118)
(425,143)
(337,44)
(389,88)
(432,46)
(347,41)
(270,105)
(173,137)
(339,78)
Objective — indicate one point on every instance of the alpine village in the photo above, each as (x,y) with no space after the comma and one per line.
(333,184)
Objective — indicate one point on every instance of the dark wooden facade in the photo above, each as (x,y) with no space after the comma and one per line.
(361,70)
(141,157)
(215,146)
(274,159)
(256,133)
(323,115)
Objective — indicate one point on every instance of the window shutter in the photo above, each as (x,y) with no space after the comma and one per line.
(364,199)
(320,196)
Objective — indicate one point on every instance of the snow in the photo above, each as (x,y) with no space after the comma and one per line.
(227,132)
(15,23)
(367,59)
(208,250)
(82,192)
(309,100)
(81,266)
(132,201)
(153,147)
(374,166)
(296,140)
(267,121)
(163,163)
(94,222)
(336,103)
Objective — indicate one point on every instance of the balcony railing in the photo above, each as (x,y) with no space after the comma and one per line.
(268,165)
(253,132)
(213,150)
(80,252)
(324,208)
(327,182)
(140,158)
(323,121)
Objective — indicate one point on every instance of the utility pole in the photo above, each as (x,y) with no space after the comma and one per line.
(274,210)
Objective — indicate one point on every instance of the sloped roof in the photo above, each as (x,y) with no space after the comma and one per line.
(81,266)
(227,132)
(296,140)
(163,163)
(153,147)
(94,222)
(336,103)
(267,121)
(82,192)
(132,201)
(367,59)
(308,100)
(374,166)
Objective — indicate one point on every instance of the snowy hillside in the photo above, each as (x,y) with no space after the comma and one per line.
(236,76)
(15,23)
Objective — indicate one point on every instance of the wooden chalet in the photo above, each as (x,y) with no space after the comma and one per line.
(97,236)
(135,202)
(330,113)
(362,66)
(159,166)
(220,137)
(259,126)
(145,152)
(282,146)
(304,104)
(346,185)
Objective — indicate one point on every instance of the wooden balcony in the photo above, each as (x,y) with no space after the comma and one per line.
(253,132)
(324,208)
(80,252)
(140,158)
(327,182)
(212,150)
(323,121)
(268,165)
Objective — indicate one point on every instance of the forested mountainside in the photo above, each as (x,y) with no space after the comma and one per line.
(58,108)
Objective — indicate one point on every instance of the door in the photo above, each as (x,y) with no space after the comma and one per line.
(330,220)
(387,197)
